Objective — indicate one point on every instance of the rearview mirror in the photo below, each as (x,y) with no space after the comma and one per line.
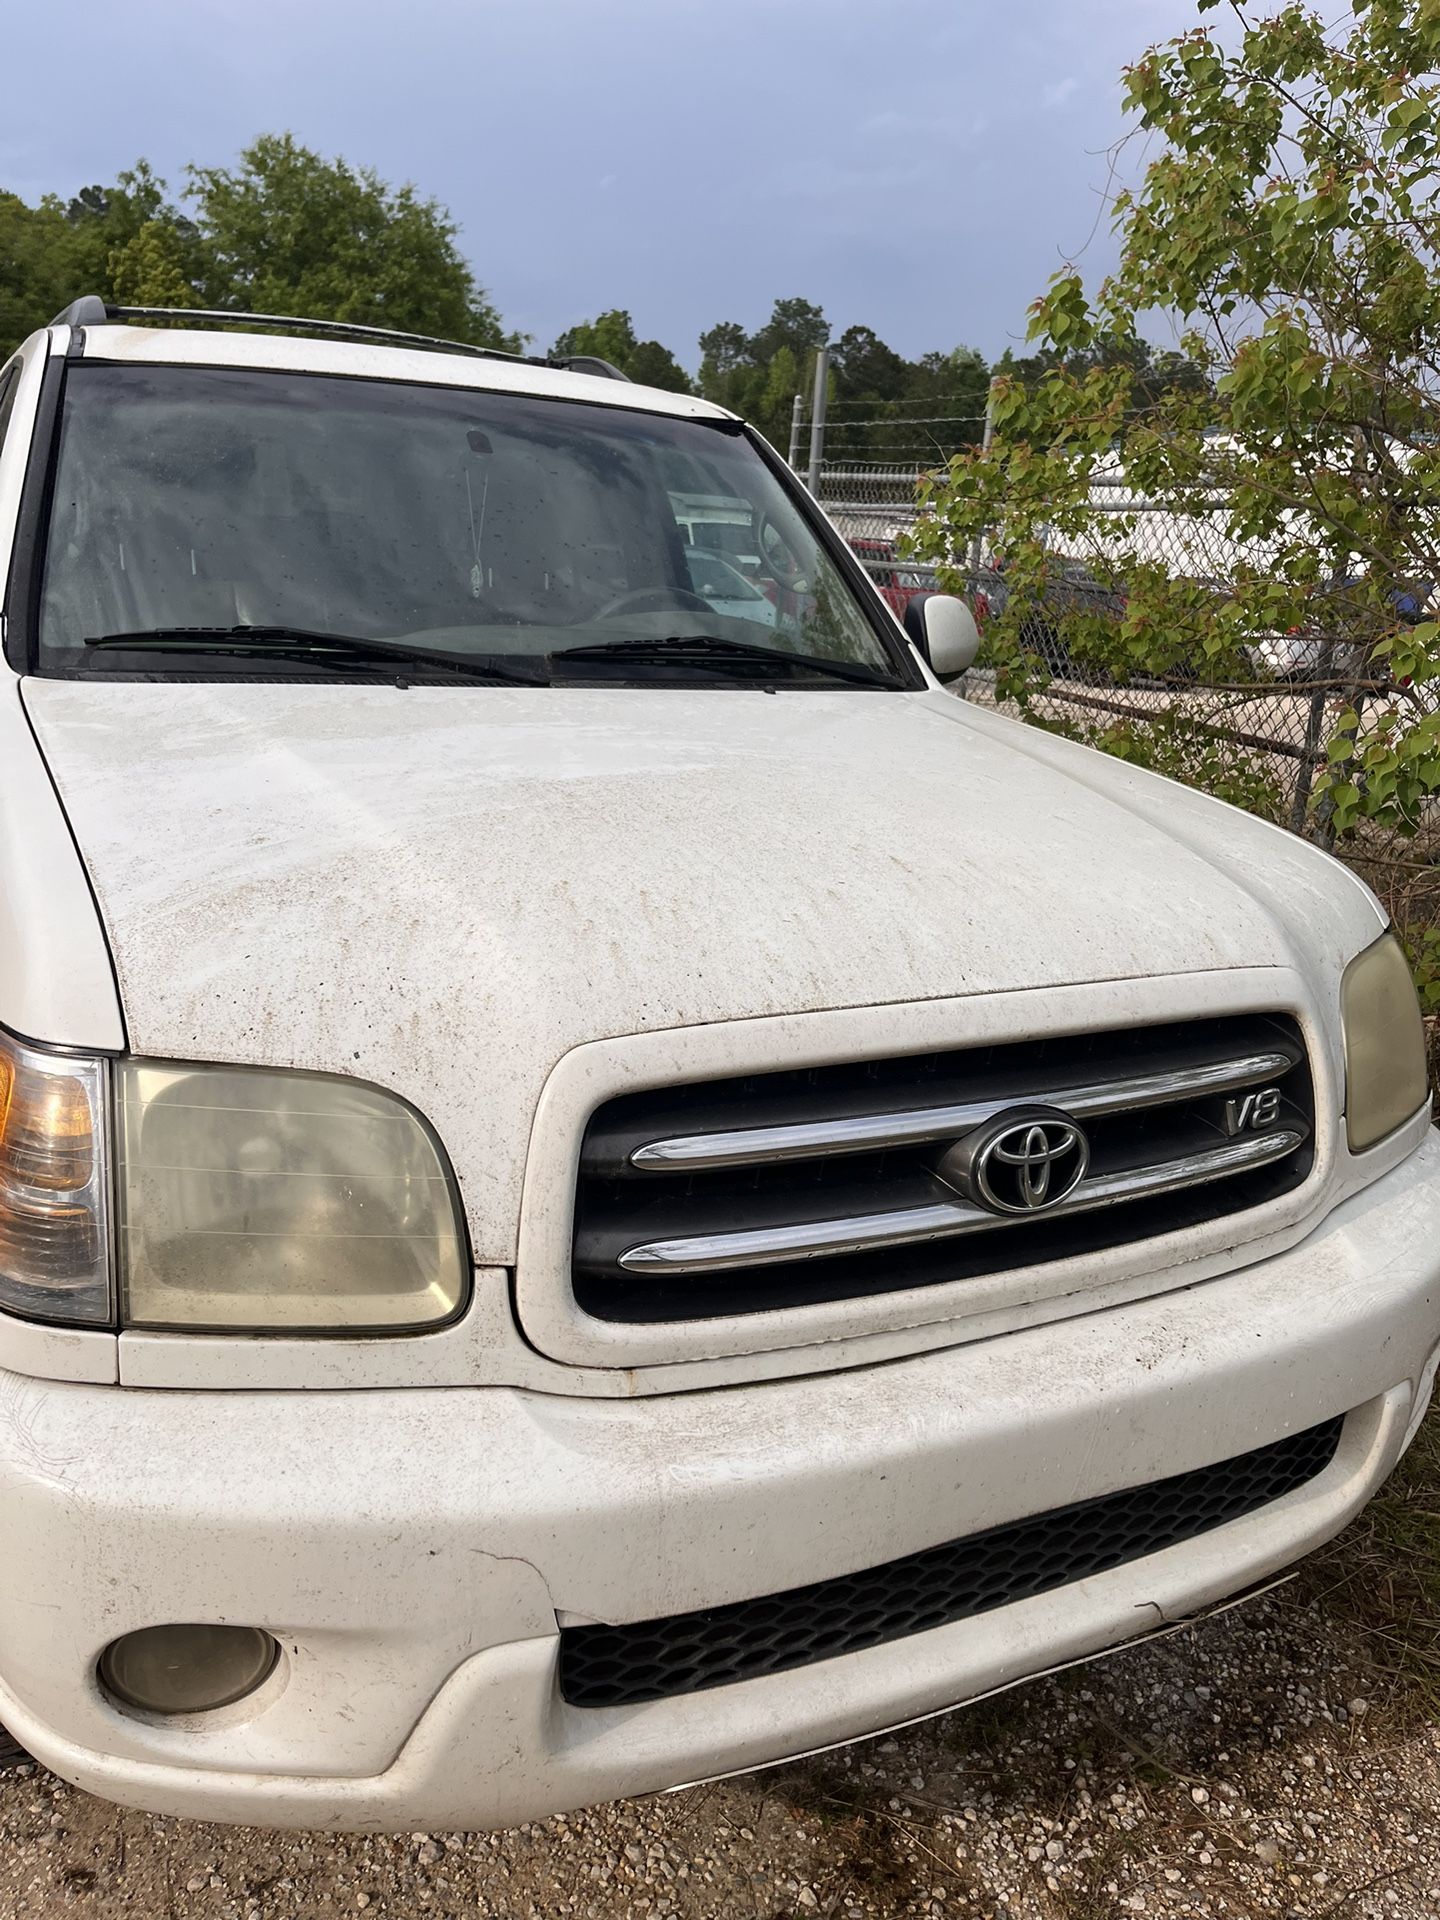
(944,630)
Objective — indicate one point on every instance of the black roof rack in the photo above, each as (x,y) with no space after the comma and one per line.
(585,363)
(91,311)
(88,311)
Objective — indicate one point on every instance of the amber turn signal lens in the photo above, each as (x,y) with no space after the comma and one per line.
(47,1131)
(54,1232)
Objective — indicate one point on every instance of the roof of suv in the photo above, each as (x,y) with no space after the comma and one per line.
(371,360)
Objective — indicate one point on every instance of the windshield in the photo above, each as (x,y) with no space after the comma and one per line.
(716,579)
(455,520)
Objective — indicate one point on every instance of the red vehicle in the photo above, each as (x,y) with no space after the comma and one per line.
(898,584)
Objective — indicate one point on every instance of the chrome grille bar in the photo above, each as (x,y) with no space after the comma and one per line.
(942,1219)
(862,1133)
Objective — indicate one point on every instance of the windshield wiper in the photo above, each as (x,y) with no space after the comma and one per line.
(710,650)
(300,643)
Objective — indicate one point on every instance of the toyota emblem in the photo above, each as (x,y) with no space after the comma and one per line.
(1025,1160)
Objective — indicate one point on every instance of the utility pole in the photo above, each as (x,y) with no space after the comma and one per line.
(977,545)
(817,418)
(797,416)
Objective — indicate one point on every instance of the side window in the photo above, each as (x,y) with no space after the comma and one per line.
(9,387)
(12,462)
(9,383)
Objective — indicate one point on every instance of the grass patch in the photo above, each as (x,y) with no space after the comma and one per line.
(1382,1575)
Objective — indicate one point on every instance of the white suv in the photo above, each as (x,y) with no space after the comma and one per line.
(595,1191)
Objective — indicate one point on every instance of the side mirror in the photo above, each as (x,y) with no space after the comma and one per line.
(944,630)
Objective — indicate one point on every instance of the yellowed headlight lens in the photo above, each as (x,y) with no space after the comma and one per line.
(1385,1074)
(54,1236)
(272,1200)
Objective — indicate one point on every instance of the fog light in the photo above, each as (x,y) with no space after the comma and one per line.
(187,1669)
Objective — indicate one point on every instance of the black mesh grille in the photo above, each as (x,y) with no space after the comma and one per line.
(657,1659)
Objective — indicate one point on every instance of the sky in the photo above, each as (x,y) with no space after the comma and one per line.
(918,166)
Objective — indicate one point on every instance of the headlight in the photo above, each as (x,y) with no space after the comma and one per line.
(245,1199)
(1385,1074)
(54,1186)
(289,1201)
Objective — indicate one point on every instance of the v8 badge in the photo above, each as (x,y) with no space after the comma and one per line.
(1252,1112)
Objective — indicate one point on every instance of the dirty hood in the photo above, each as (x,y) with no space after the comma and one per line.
(443,889)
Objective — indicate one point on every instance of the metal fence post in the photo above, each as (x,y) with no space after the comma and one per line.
(977,545)
(1351,696)
(1314,723)
(797,418)
(817,419)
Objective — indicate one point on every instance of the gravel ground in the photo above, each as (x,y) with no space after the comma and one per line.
(1250,1766)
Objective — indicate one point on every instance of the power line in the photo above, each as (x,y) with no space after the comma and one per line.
(931,449)
(915,401)
(913,420)
(920,420)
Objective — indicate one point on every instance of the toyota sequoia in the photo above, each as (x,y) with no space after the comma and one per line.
(601,1182)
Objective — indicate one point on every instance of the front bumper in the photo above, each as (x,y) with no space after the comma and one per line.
(416,1551)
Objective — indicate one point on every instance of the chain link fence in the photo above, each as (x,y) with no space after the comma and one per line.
(1253,731)
(874,505)
(1256,736)
(870,500)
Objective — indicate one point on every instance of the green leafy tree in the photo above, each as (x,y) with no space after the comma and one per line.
(903,412)
(1153,372)
(866,369)
(951,391)
(106,221)
(735,367)
(287,231)
(960,379)
(39,267)
(868,382)
(797,324)
(882,406)
(1288,221)
(655,366)
(154,268)
(284,231)
(724,359)
(52,252)
(612,337)
(772,408)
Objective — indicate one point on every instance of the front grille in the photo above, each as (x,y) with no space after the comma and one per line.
(788,1189)
(620,1666)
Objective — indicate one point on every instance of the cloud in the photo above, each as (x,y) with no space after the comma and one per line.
(635,154)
